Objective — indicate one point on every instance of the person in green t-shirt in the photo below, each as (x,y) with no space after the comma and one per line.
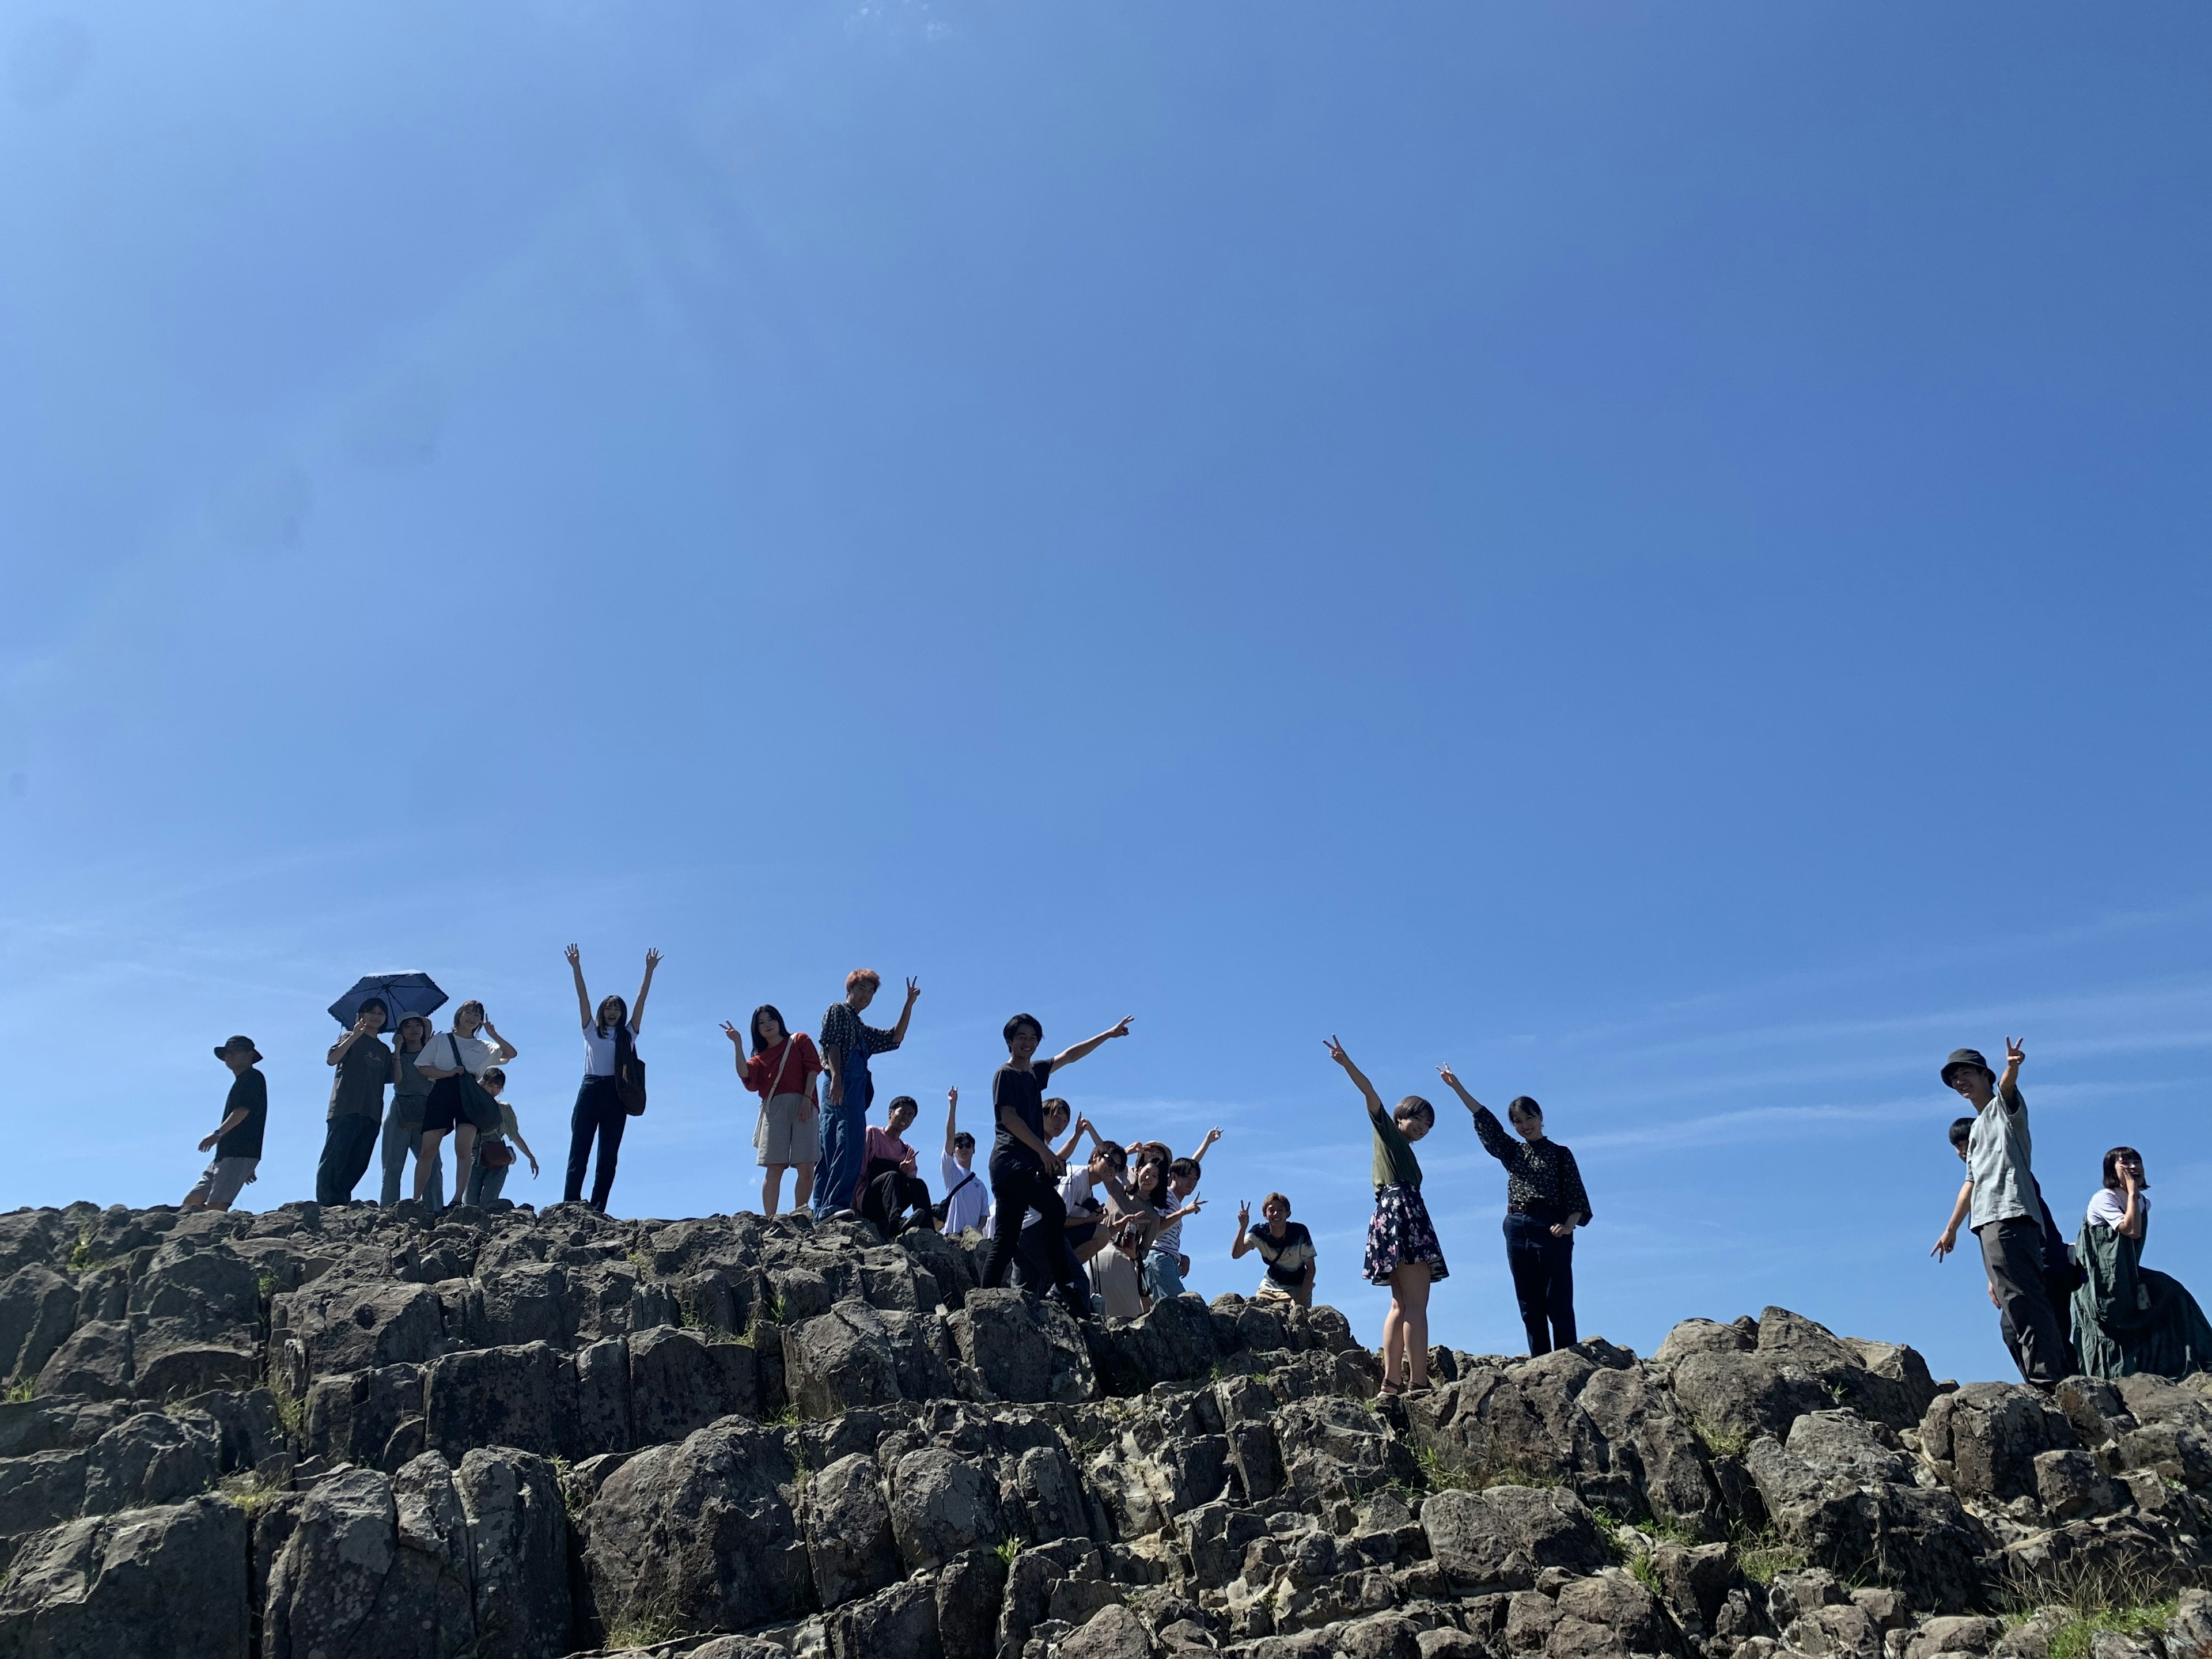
(1402,1251)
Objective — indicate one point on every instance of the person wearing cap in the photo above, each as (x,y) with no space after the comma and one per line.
(357,1113)
(236,1142)
(2004,1206)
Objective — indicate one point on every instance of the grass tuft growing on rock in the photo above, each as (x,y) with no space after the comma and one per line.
(1008,1549)
(1762,1554)
(250,1494)
(2075,1638)
(20,1388)
(1719,1442)
(2132,1597)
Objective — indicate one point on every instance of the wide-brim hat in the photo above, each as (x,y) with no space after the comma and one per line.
(231,1047)
(1965,1057)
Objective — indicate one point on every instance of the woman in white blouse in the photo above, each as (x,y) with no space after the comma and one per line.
(443,1060)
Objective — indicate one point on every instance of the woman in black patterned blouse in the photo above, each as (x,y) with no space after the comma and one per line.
(1544,1203)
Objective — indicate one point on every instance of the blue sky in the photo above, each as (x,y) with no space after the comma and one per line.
(1653,557)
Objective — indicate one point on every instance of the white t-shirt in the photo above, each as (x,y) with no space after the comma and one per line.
(2110,1208)
(598,1052)
(475,1054)
(965,1208)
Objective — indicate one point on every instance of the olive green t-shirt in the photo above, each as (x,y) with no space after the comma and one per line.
(1394,1163)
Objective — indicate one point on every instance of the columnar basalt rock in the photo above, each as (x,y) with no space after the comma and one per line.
(517,1435)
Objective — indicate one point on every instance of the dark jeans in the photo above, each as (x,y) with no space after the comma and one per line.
(1016,1189)
(2012,1253)
(347,1145)
(598,1112)
(1543,1270)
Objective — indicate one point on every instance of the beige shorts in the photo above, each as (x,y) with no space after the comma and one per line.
(789,1132)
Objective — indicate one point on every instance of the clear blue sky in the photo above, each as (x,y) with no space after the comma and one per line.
(1655,556)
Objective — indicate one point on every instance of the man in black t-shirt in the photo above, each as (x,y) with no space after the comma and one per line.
(356,1116)
(236,1142)
(1023,1164)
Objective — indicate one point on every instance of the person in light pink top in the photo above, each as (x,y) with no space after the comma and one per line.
(892,1194)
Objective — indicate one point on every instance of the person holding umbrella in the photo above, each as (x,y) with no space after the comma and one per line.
(610,1030)
(453,1061)
(363,1065)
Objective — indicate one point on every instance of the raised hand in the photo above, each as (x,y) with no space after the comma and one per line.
(913,991)
(2014,1052)
(1212,1135)
(575,956)
(1336,1053)
(652,958)
(1122,1027)
(1445,1073)
(952,1096)
(1243,1214)
(734,1035)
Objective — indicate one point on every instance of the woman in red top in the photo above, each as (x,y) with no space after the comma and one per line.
(781,1070)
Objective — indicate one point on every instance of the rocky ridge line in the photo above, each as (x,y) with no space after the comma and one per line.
(337,1434)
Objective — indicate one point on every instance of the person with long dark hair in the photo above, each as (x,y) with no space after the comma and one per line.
(1024,1163)
(610,1033)
(787,1135)
(1544,1203)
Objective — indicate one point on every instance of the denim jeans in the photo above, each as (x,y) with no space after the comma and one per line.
(1163,1273)
(484,1184)
(844,1137)
(599,1114)
(402,1139)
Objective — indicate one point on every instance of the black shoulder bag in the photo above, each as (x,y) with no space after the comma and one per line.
(629,1073)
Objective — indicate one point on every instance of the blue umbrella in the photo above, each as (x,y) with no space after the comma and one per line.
(403,994)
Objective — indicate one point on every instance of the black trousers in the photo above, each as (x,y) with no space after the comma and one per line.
(1543,1269)
(598,1113)
(1016,1189)
(2012,1253)
(894,1200)
(347,1145)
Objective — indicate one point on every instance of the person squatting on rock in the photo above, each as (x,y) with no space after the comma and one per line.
(455,1061)
(236,1142)
(2129,1319)
(1285,1246)
(1166,1264)
(966,1200)
(1023,1165)
(402,1122)
(788,1133)
(1544,1203)
(2000,1202)
(845,1045)
(363,1067)
(1402,1251)
(892,1195)
(495,1157)
(609,1036)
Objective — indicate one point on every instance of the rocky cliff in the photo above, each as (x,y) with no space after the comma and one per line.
(335,1435)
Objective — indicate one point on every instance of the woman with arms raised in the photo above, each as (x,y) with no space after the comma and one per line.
(609,1031)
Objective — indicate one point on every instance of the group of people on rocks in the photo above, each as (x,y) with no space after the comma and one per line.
(2093,1310)
(1103,1228)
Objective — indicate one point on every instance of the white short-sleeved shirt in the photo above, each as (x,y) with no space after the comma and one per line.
(2110,1208)
(475,1054)
(1076,1188)
(965,1208)
(598,1052)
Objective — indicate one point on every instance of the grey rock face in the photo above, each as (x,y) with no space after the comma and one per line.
(1501,1539)
(849,1546)
(142,1584)
(518,1554)
(1018,1348)
(1990,1435)
(38,1310)
(699,1534)
(854,1356)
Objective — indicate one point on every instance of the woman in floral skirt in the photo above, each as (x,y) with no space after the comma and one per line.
(1402,1251)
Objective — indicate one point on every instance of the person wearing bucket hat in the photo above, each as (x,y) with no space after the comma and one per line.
(236,1142)
(2004,1206)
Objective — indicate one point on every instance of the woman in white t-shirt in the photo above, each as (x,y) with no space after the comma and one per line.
(2130,1320)
(607,1031)
(443,1060)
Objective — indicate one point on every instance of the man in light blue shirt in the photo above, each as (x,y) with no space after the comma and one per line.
(2005,1208)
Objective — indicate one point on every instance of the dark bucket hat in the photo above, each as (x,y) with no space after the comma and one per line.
(234,1045)
(1966,1057)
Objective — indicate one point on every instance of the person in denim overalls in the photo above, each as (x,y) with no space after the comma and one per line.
(845,1044)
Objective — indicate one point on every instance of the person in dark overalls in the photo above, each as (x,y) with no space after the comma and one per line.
(845,1044)
(1544,1203)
